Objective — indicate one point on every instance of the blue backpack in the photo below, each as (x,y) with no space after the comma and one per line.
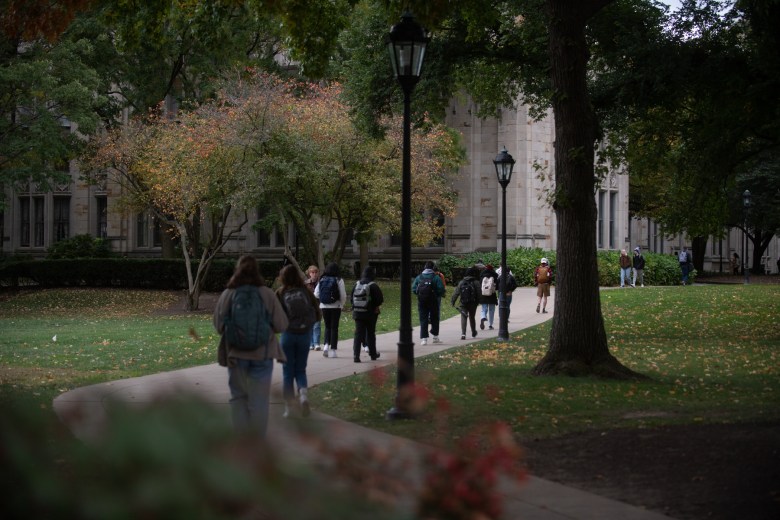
(329,289)
(247,324)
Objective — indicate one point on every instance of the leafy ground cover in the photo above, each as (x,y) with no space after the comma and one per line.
(699,439)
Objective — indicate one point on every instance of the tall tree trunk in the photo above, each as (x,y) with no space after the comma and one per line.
(578,341)
(699,251)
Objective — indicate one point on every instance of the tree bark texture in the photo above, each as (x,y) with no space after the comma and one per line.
(578,341)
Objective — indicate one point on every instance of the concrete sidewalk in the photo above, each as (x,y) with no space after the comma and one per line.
(84,410)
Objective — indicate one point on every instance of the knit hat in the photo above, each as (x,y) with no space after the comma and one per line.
(636,249)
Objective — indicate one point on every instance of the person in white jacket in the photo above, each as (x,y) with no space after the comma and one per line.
(332,294)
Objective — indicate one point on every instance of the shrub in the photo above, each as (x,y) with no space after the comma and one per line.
(659,269)
(80,246)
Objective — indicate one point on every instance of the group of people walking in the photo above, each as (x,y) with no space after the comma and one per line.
(626,266)
(249,316)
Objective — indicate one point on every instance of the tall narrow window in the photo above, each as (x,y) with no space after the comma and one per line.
(61,218)
(101,210)
(141,227)
(24,222)
(600,224)
(39,222)
(612,219)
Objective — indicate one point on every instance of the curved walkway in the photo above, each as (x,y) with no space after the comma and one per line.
(84,410)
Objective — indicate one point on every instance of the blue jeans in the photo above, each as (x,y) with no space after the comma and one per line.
(488,312)
(429,314)
(685,271)
(296,348)
(625,274)
(316,331)
(250,393)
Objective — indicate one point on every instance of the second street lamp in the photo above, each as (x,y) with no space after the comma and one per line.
(407,42)
(504,164)
(746,200)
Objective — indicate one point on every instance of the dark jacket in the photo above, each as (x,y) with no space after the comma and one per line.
(639,261)
(473,280)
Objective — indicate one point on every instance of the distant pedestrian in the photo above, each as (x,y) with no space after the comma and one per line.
(332,295)
(639,268)
(511,286)
(543,277)
(625,268)
(249,369)
(444,284)
(367,299)
(735,263)
(303,311)
(488,296)
(685,259)
(467,291)
(312,277)
(428,288)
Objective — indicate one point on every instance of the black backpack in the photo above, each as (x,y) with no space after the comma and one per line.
(468,293)
(425,291)
(247,325)
(329,289)
(299,308)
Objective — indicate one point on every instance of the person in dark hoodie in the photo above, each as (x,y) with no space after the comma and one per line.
(366,300)
(468,291)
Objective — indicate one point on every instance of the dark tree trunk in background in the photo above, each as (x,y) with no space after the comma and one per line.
(699,252)
(578,341)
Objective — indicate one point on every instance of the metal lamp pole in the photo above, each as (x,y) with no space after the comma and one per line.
(746,199)
(407,42)
(504,164)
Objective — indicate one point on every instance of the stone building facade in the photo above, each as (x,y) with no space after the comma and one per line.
(33,220)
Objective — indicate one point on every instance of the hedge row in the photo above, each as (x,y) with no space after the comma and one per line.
(659,269)
(119,272)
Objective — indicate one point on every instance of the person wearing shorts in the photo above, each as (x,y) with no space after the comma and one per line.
(543,276)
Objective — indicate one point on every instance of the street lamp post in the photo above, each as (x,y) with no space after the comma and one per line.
(504,164)
(746,199)
(407,42)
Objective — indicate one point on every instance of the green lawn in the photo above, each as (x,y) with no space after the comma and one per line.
(52,341)
(711,352)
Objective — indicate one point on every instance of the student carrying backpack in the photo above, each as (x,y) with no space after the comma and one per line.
(247,316)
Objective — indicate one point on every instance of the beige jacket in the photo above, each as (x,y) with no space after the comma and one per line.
(278,324)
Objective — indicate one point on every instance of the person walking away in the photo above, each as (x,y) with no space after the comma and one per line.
(735,264)
(625,268)
(332,295)
(247,316)
(428,288)
(312,277)
(543,276)
(467,291)
(303,311)
(443,283)
(488,296)
(366,298)
(511,286)
(685,259)
(639,268)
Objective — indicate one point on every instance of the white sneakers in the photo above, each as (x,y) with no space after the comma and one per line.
(424,341)
(436,339)
(332,353)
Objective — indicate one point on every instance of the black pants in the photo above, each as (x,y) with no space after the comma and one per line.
(472,319)
(365,331)
(331,318)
